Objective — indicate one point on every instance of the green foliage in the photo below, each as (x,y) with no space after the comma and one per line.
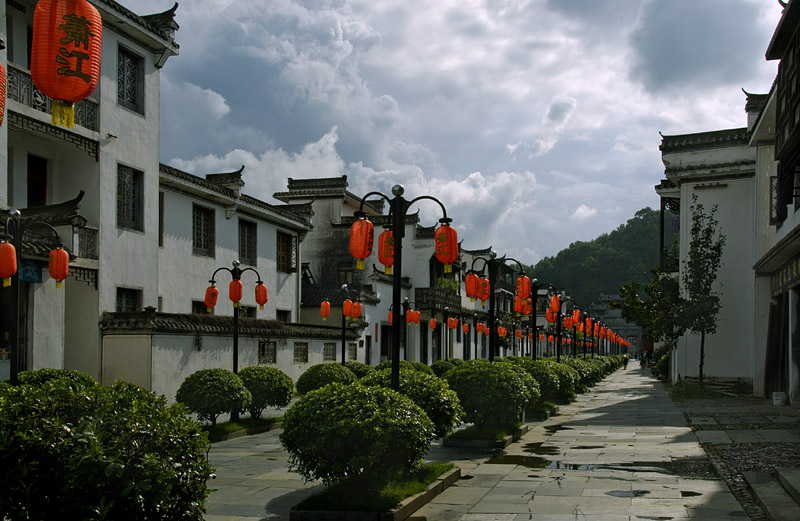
(360,369)
(493,395)
(355,432)
(41,376)
(702,302)
(662,365)
(268,386)
(451,285)
(590,370)
(98,453)
(441,366)
(433,395)
(408,364)
(211,392)
(659,315)
(321,375)
(542,373)
(601,265)
(567,378)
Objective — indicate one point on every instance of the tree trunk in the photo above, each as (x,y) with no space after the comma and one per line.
(702,356)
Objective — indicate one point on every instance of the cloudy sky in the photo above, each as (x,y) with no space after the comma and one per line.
(536,122)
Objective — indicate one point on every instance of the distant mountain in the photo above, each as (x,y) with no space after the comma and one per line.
(587,269)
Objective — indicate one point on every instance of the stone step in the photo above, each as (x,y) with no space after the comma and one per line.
(778,504)
(790,479)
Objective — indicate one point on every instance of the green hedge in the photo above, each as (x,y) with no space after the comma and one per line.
(268,386)
(355,432)
(408,364)
(72,451)
(211,392)
(360,369)
(320,375)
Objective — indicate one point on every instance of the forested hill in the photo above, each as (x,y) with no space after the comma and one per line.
(586,269)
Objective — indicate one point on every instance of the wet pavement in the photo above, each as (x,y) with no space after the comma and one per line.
(622,451)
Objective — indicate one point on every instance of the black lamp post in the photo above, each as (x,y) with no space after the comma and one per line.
(559,318)
(15,229)
(345,294)
(398,208)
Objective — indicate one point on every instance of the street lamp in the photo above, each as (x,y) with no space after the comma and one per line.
(361,239)
(235,296)
(10,259)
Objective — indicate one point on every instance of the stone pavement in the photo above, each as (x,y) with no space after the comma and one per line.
(622,451)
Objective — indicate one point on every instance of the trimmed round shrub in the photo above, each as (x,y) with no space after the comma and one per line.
(529,381)
(567,379)
(93,452)
(408,364)
(433,395)
(321,375)
(40,376)
(493,395)
(211,392)
(367,434)
(440,367)
(268,386)
(541,372)
(360,369)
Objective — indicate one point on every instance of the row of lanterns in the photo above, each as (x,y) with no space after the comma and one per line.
(235,294)
(58,263)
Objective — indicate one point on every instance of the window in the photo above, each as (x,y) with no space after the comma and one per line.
(301,352)
(129,300)
(202,231)
(267,352)
(329,352)
(287,259)
(130,85)
(199,308)
(345,273)
(351,351)
(37,181)
(283,315)
(130,198)
(247,242)
(247,311)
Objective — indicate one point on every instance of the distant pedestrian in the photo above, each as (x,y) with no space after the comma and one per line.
(624,361)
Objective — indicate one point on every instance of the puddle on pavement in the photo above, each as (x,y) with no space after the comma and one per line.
(691,468)
(687,493)
(655,518)
(532,462)
(583,447)
(627,493)
(555,428)
(536,448)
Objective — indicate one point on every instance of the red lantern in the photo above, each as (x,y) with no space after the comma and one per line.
(325,309)
(432,323)
(386,250)
(567,322)
(452,323)
(555,303)
(518,334)
(530,337)
(518,305)
(417,315)
(550,315)
(211,297)
(59,265)
(2,94)
(410,316)
(550,338)
(65,54)
(356,312)
(480,326)
(261,295)
(527,308)
(541,337)
(235,292)
(446,244)
(484,290)
(465,328)
(391,318)
(471,285)
(8,262)
(347,308)
(523,286)
(576,315)
(361,238)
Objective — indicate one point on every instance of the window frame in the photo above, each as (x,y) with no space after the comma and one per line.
(137,62)
(329,351)
(303,353)
(209,226)
(136,295)
(249,228)
(286,253)
(267,352)
(130,207)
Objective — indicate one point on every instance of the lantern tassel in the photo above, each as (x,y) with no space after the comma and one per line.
(388,270)
(360,264)
(62,114)
(6,282)
(58,284)
(448,268)
(261,306)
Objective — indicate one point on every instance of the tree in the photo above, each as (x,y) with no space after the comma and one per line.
(659,315)
(701,302)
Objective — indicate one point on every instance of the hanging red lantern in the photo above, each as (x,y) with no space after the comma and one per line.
(541,337)
(2,94)
(261,295)
(410,316)
(386,250)
(212,293)
(235,292)
(465,328)
(325,309)
(471,285)
(446,244)
(523,286)
(452,323)
(550,338)
(361,238)
(391,318)
(417,316)
(576,315)
(347,308)
(8,262)
(550,315)
(58,265)
(484,290)
(567,322)
(519,306)
(356,312)
(65,54)
(480,327)
(527,308)
(432,323)
(530,337)
(555,303)
(518,334)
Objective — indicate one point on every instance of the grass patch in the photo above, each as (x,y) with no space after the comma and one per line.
(241,425)
(350,496)
(692,391)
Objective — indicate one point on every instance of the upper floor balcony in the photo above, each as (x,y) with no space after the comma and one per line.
(21,89)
